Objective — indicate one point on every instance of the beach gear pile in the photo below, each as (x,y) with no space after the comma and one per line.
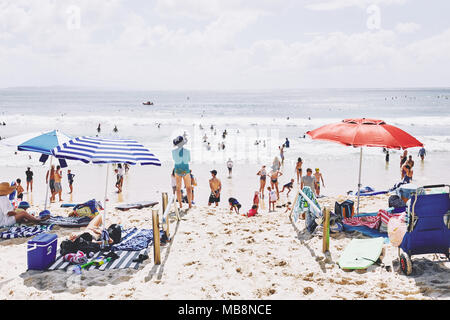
(88,209)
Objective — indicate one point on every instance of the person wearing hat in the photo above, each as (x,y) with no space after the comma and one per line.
(8,216)
(318,177)
(216,187)
(182,156)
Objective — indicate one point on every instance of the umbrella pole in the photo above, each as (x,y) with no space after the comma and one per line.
(106,195)
(48,183)
(359,179)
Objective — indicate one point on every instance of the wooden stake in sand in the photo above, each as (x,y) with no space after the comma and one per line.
(156,240)
(326,230)
(165,203)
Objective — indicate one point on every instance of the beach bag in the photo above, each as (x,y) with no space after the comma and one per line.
(395,202)
(344,209)
(88,209)
(396,230)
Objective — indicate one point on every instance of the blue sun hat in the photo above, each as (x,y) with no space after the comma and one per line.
(44,213)
(24,205)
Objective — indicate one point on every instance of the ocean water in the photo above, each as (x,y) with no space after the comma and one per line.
(265,116)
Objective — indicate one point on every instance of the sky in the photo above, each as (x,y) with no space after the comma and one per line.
(225,44)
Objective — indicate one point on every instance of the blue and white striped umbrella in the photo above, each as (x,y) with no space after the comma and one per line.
(100,150)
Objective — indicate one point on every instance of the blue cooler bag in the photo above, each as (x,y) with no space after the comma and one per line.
(42,251)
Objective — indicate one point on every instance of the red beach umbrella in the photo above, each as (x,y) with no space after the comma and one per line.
(365,133)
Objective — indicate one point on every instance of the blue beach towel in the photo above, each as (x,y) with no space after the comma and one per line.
(136,239)
(67,221)
(24,231)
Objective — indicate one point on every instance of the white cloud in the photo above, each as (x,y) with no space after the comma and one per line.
(119,47)
(325,5)
(408,27)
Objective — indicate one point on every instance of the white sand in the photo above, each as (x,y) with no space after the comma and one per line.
(218,255)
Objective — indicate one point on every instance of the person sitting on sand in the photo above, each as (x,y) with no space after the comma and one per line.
(288,186)
(9,216)
(256,199)
(252,212)
(216,187)
(272,199)
(234,204)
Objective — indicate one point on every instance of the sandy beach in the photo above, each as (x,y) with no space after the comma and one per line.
(218,255)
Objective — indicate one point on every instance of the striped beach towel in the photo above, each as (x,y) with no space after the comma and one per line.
(131,249)
(385,216)
(68,221)
(124,261)
(23,231)
(372,222)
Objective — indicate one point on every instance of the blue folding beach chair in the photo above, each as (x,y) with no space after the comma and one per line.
(428,226)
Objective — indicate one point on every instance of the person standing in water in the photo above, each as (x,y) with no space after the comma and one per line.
(262,181)
(230,167)
(403,159)
(99,129)
(115,128)
(422,153)
(29,175)
(282,154)
(298,169)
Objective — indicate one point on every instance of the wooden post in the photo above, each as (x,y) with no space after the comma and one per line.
(156,240)
(326,231)
(176,208)
(165,202)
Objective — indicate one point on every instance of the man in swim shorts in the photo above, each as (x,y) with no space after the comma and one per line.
(318,176)
(216,187)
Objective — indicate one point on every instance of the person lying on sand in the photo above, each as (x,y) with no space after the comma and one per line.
(93,232)
(9,216)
